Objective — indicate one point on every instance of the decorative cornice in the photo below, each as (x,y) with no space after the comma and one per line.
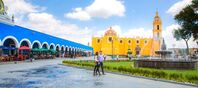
(6,20)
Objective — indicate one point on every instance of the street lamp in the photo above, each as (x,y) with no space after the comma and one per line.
(112,49)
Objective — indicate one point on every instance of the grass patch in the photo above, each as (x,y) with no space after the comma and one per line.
(127,67)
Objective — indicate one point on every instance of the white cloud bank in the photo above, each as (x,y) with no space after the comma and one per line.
(177,7)
(34,17)
(100,9)
(171,41)
(47,23)
(130,33)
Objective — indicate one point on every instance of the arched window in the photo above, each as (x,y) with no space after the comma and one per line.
(110,39)
(98,40)
(145,41)
(120,41)
(157,27)
(129,41)
(137,41)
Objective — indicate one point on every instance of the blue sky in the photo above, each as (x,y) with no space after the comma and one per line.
(139,13)
(79,20)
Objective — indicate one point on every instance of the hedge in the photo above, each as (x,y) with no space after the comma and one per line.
(139,72)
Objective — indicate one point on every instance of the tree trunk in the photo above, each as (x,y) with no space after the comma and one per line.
(187,50)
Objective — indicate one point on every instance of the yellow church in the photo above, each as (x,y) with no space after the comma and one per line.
(111,44)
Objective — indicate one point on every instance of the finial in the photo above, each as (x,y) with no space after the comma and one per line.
(88,43)
(157,12)
(12,17)
(110,28)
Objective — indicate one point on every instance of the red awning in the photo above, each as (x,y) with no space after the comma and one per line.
(24,48)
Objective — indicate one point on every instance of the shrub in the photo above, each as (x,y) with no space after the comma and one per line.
(173,76)
(120,68)
(115,68)
(192,78)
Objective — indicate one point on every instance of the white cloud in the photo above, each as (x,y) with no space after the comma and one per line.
(138,32)
(177,7)
(130,33)
(118,29)
(34,17)
(100,9)
(47,23)
(170,40)
(20,8)
(78,13)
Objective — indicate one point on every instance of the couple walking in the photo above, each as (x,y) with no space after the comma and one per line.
(99,58)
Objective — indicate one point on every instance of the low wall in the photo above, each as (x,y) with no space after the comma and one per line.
(159,64)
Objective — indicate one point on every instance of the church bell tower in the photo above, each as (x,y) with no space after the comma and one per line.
(157,33)
(157,28)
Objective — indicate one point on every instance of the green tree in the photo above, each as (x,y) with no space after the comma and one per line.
(181,34)
(188,19)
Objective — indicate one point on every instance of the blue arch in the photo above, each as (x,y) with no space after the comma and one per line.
(20,33)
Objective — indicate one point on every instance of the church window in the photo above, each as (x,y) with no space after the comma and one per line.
(157,27)
(145,41)
(137,41)
(98,40)
(120,41)
(129,41)
(110,39)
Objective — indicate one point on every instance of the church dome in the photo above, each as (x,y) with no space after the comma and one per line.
(110,32)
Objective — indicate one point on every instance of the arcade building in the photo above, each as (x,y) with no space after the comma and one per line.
(112,44)
(19,40)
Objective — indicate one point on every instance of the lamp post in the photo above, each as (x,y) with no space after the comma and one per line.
(112,49)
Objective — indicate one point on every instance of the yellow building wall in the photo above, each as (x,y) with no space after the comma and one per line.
(121,48)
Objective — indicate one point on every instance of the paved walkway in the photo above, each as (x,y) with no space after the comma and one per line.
(48,74)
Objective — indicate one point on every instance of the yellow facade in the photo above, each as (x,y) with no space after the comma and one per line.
(111,44)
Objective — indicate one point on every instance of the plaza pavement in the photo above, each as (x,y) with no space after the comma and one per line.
(78,76)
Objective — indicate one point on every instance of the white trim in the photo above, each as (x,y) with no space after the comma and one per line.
(58,46)
(0,43)
(28,41)
(46,44)
(13,38)
(63,47)
(36,41)
(52,44)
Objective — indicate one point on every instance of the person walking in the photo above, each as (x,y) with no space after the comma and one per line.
(101,59)
(16,58)
(97,64)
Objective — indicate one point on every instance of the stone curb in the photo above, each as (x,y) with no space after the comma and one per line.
(155,79)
